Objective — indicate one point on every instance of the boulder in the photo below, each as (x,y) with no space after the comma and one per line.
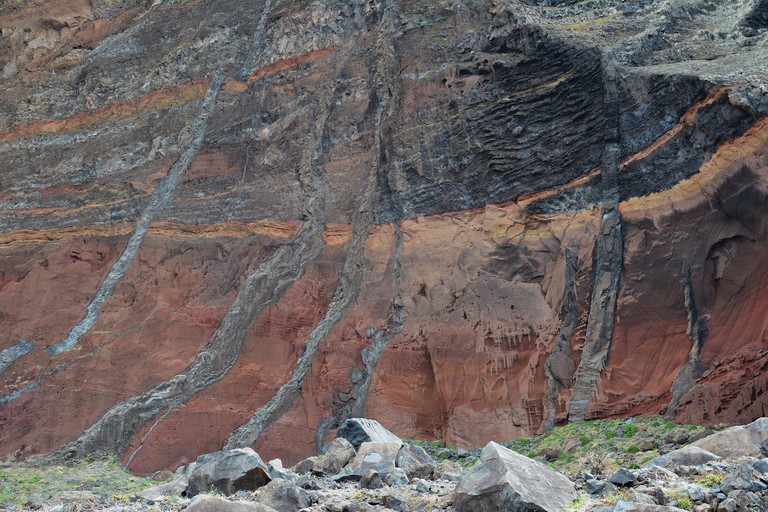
(205,503)
(761,467)
(447,470)
(276,470)
(629,506)
(740,441)
(282,495)
(228,471)
(506,480)
(740,478)
(415,461)
(396,477)
(361,430)
(338,455)
(177,486)
(688,456)
(306,465)
(623,478)
(377,456)
(371,480)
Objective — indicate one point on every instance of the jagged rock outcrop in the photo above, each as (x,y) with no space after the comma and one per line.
(241,224)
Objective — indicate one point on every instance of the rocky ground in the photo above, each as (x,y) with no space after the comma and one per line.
(640,464)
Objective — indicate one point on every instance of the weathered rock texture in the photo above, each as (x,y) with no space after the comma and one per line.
(242,223)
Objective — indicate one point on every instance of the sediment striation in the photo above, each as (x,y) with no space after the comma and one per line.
(228,223)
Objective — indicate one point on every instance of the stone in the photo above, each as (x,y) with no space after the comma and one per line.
(206,503)
(447,470)
(686,456)
(505,480)
(761,466)
(377,456)
(572,447)
(623,478)
(396,477)
(228,471)
(282,495)
(415,461)
(739,441)
(307,482)
(740,478)
(654,492)
(305,466)
(276,470)
(696,493)
(594,486)
(177,486)
(626,506)
(371,480)
(339,453)
(728,505)
(701,435)
(361,430)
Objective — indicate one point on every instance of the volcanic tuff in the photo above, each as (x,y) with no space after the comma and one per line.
(230,223)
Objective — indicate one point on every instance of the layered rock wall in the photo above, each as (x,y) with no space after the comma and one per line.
(228,223)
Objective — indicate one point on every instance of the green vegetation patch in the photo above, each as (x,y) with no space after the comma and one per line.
(22,482)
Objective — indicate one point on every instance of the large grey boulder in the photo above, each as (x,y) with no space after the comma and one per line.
(416,462)
(228,471)
(361,430)
(377,456)
(205,503)
(740,441)
(505,480)
(338,455)
(688,456)
(282,495)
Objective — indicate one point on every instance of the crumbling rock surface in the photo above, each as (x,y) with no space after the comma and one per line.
(465,220)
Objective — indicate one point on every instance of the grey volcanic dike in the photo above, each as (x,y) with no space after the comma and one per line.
(348,285)
(609,260)
(122,422)
(157,202)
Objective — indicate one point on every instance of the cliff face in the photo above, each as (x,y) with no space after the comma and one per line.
(239,223)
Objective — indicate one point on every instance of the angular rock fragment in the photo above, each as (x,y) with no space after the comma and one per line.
(177,486)
(228,471)
(447,470)
(371,480)
(377,456)
(396,477)
(205,503)
(506,480)
(627,506)
(305,466)
(361,430)
(338,455)
(282,495)
(416,462)
(623,478)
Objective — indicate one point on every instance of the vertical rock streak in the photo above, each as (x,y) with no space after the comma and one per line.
(157,202)
(559,368)
(608,262)
(348,286)
(697,332)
